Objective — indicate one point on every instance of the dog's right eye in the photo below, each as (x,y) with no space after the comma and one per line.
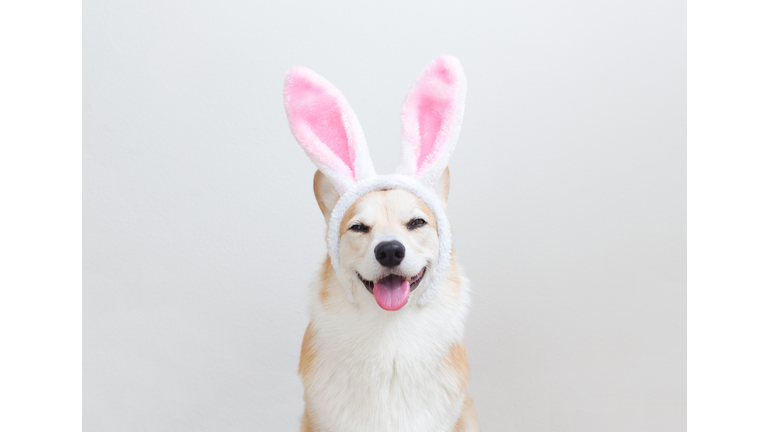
(359,228)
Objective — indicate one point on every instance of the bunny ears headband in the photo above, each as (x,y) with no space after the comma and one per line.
(328,131)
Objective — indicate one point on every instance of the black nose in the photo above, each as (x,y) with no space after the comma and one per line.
(389,253)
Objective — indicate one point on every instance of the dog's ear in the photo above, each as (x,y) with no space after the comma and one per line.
(326,128)
(443,186)
(431,120)
(325,194)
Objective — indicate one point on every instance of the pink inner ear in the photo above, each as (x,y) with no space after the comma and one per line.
(430,120)
(432,102)
(314,106)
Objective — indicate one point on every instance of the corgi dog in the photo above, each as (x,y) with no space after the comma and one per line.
(384,348)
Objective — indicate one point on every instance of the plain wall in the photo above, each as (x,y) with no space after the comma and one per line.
(201,232)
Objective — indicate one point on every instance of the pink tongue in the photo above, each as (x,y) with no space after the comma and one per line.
(392,292)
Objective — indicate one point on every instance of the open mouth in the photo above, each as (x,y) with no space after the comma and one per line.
(392,291)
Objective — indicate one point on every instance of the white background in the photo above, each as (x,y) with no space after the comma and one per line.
(200,231)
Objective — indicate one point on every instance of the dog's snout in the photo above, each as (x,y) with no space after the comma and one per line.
(389,253)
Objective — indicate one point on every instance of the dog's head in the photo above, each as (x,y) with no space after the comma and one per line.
(386,234)
(388,241)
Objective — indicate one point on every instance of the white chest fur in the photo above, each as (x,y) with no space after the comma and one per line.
(366,369)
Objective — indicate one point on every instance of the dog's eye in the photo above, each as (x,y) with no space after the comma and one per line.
(416,223)
(359,228)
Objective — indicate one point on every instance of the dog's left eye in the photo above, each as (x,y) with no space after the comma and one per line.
(359,228)
(416,223)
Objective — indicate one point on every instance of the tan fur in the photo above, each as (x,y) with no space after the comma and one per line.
(351,212)
(456,360)
(325,194)
(430,216)
(308,354)
(443,186)
(468,419)
(306,423)
(331,294)
(326,279)
(452,279)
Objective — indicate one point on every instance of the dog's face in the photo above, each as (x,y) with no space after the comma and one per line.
(388,242)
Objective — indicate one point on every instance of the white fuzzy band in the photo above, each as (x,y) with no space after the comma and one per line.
(385,182)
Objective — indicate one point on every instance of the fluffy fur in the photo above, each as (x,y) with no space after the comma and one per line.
(365,368)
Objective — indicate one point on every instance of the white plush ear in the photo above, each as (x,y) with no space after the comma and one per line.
(431,120)
(326,128)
